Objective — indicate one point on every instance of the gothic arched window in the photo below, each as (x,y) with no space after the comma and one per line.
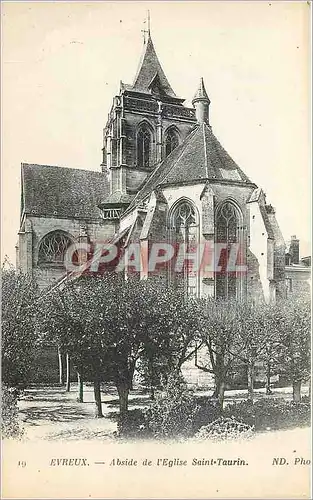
(228,233)
(171,141)
(144,141)
(185,238)
(53,248)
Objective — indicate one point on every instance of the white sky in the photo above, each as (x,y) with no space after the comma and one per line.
(62,63)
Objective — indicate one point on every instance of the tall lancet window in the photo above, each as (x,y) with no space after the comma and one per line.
(171,141)
(144,140)
(229,244)
(185,238)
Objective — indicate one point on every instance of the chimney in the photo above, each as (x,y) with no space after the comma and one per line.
(294,250)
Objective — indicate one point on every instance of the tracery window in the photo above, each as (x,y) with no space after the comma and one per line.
(185,238)
(144,139)
(171,141)
(53,248)
(228,232)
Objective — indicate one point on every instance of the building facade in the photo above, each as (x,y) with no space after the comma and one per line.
(165,178)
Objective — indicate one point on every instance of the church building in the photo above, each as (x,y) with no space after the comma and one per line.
(164,177)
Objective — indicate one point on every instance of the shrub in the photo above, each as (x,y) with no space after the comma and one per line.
(306,399)
(134,424)
(207,411)
(10,427)
(225,429)
(172,414)
(178,412)
(270,413)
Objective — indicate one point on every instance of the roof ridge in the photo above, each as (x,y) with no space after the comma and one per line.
(61,167)
(205,150)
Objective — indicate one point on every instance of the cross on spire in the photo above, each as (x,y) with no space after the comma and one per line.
(146,31)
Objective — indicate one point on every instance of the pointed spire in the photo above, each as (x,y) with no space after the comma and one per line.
(149,67)
(201,103)
(201,93)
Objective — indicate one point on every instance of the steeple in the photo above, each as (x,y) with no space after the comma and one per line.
(146,123)
(201,103)
(150,71)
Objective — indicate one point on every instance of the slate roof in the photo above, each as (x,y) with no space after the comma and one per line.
(200,157)
(62,192)
(149,70)
(117,199)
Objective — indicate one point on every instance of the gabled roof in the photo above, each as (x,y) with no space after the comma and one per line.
(150,71)
(62,192)
(200,157)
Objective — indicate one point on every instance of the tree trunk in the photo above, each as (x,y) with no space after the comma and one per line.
(80,395)
(131,372)
(220,377)
(68,376)
(216,390)
(61,371)
(268,380)
(250,377)
(152,395)
(221,392)
(296,390)
(310,388)
(123,392)
(97,393)
(151,374)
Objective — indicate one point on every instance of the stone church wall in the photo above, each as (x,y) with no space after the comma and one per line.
(132,122)
(260,256)
(134,178)
(95,230)
(239,194)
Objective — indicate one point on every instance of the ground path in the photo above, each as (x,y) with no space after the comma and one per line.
(51,413)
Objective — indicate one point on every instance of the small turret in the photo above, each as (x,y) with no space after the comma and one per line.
(201,103)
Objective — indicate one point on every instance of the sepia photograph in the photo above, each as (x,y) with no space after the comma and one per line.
(156,249)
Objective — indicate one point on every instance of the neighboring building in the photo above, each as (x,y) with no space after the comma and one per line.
(298,271)
(165,177)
